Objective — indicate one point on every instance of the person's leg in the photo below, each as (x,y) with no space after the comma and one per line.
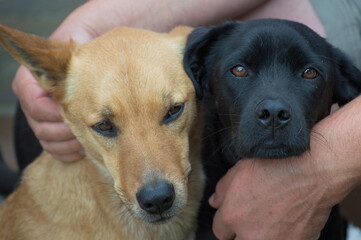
(27,146)
(8,178)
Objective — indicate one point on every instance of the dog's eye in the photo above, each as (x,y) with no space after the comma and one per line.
(239,71)
(106,128)
(174,112)
(310,73)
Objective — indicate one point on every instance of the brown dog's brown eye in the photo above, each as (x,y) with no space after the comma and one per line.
(105,128)
(310,73)
(174,112)
(239,71)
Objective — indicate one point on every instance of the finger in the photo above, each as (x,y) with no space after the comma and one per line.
(222,186)
(221,230)
(62,148)
(33,99)
(40,108)
(21,79)
(51,131)
(43,109)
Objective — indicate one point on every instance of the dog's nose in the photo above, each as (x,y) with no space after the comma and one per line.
(156,198)
(273,113)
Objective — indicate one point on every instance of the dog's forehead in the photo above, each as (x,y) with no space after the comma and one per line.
(264,42)
(129,68)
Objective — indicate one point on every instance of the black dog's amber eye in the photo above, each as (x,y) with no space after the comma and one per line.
(174,112)
(239,71)
(310,73)
(105,128)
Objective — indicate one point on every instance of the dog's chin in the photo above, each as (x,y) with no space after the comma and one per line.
(161,220)
(157,219)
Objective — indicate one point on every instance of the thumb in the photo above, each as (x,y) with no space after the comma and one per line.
(217,197)
(215,200)
(223,185)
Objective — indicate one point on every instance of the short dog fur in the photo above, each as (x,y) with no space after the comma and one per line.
(127,98)
(267,82)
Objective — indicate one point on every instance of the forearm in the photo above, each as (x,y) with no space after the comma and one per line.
(336,145)
(96,17)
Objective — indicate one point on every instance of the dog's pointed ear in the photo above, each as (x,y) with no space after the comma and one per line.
(48,60)
(197,49)
(348,79)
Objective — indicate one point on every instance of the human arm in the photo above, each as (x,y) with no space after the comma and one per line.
(92,19)
(291,198)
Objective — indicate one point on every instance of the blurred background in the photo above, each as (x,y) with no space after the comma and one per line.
(39,17)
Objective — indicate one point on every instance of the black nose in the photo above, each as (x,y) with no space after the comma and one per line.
(273,113)
(156,198)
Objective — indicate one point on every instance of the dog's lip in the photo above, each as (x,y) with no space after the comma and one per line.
(271,144)
(269,149)
(161,220)
(270,152)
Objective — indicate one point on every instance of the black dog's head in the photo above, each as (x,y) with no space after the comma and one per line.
(271,81)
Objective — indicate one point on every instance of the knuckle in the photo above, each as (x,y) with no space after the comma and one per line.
(217,232)
(33,111)
(39,132)
(14,87)
(75,145)
(45,146)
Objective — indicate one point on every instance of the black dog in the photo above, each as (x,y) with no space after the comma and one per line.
(267,82)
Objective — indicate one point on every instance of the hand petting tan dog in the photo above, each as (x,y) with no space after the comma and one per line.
(128,100)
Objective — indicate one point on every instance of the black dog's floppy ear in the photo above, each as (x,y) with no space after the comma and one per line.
(197,48)
(348,79)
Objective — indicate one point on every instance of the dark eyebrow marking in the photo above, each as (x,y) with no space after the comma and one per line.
(107,112)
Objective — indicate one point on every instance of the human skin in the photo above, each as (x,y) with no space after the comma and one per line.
(291,198)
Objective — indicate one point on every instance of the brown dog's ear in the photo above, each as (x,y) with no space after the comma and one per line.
(48,60)
(199,42)
(181,31)
(348,79)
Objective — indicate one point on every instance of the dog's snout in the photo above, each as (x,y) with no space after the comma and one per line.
(273,113)
(156,198)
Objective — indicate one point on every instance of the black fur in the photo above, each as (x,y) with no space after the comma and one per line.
(269,113)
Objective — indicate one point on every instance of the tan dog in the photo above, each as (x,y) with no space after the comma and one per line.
(128,100)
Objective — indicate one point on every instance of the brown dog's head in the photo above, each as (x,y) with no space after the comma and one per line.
(128,100)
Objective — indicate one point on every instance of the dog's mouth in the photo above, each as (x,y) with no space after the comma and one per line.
(157,219)
(160,220)
(273,149)
(270,151)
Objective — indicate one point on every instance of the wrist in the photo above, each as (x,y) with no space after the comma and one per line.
(336,146)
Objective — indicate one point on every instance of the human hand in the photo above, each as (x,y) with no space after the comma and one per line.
(292,198)
(272,199)
(43,116)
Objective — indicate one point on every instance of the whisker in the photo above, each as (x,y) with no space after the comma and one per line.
(216,132)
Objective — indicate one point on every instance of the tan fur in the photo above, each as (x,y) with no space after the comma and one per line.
(131,77)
